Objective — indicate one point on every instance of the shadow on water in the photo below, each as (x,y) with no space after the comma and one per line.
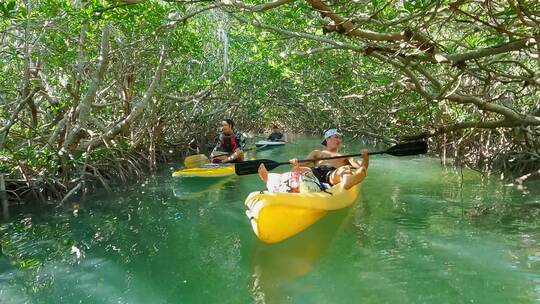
(275,266)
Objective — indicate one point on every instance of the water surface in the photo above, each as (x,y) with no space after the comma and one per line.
(418,233)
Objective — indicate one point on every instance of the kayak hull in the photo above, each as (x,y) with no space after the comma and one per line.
(267,143)
(275,217)
(206,171)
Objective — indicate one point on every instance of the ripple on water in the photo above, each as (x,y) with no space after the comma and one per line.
(190,242)
(412,223)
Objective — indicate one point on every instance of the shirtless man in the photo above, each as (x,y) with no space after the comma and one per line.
(348,171)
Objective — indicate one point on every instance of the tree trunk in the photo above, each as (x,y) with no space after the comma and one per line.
(3,197)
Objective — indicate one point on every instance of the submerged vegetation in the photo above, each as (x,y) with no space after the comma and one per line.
(97,92)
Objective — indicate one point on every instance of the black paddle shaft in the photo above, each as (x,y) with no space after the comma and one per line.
(404,149)
(412,148)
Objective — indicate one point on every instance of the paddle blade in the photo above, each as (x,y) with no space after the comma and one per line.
(194,161)
(252,166)
(409,148)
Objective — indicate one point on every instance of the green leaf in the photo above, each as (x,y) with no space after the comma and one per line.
(10,6)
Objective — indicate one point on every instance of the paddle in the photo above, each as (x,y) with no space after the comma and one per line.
(197,160)
(404,149)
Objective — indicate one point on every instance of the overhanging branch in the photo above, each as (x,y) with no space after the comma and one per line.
(461,126)
(257,7)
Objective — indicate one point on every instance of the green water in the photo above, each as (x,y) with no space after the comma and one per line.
(418,233)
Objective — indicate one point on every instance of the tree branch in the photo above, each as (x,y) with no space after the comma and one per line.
(199,95)
(85,106)
(257,7)
(336,44)
(403,68)
(13,118)
(510,115)
(480,53)
(348,27)
(137,109)
(497,28)
(461,126)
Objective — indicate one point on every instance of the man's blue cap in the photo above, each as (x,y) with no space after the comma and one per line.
(330,132)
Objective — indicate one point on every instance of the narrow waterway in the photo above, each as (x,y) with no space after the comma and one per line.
(418,233)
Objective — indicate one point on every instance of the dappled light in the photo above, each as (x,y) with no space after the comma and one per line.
(269,151)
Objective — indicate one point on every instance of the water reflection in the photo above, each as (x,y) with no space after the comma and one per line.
(276,266)
(193,187)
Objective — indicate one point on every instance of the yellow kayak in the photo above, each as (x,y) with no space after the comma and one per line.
(277,216)
(208,170)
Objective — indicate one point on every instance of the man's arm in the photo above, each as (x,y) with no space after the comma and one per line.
(357,163)
(311,155)
(238,153)
(365,158)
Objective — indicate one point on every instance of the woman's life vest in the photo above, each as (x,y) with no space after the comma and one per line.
(229,143)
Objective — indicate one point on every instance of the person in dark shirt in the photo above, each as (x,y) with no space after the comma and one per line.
(276,135)
(230,144)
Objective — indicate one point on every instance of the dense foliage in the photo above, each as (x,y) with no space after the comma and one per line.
(100,90)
